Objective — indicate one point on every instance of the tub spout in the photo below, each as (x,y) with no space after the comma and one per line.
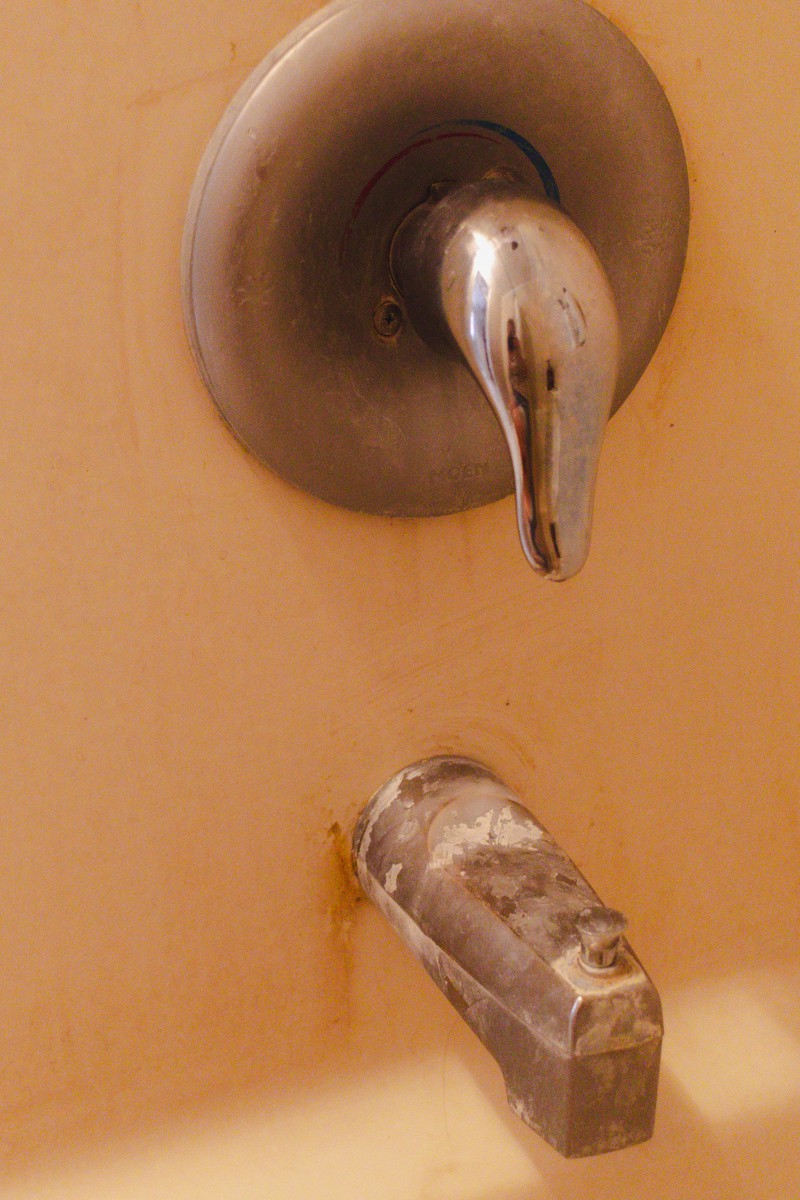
(520,944)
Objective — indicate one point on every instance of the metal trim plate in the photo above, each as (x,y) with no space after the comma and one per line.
(286,259)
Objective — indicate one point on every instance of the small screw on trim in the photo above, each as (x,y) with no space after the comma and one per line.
(600,930)
(387,319)
(437,191)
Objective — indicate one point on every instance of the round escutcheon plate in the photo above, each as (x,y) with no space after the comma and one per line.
(292,313)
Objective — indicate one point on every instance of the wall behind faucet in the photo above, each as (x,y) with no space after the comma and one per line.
(207,673)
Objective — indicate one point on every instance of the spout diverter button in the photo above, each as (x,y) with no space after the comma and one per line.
(600,930)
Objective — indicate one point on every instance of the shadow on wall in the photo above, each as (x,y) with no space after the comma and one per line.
(729,1103)
(412,1087)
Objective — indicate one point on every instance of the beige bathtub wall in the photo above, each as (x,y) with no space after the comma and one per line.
(207,673)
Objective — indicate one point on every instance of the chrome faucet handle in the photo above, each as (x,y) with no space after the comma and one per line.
(510,282)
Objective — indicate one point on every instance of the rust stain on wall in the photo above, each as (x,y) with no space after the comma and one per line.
(344,896)
(345,892)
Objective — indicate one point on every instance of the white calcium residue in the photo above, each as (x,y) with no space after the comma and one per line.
(383,799)
(457,839)
(390,882)
(510,831)
(490,829)
(408,830)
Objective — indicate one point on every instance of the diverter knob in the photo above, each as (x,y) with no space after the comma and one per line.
(513,285)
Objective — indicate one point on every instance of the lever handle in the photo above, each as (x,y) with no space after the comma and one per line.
(511,283)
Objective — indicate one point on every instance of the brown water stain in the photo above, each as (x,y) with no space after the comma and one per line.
(344,897)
